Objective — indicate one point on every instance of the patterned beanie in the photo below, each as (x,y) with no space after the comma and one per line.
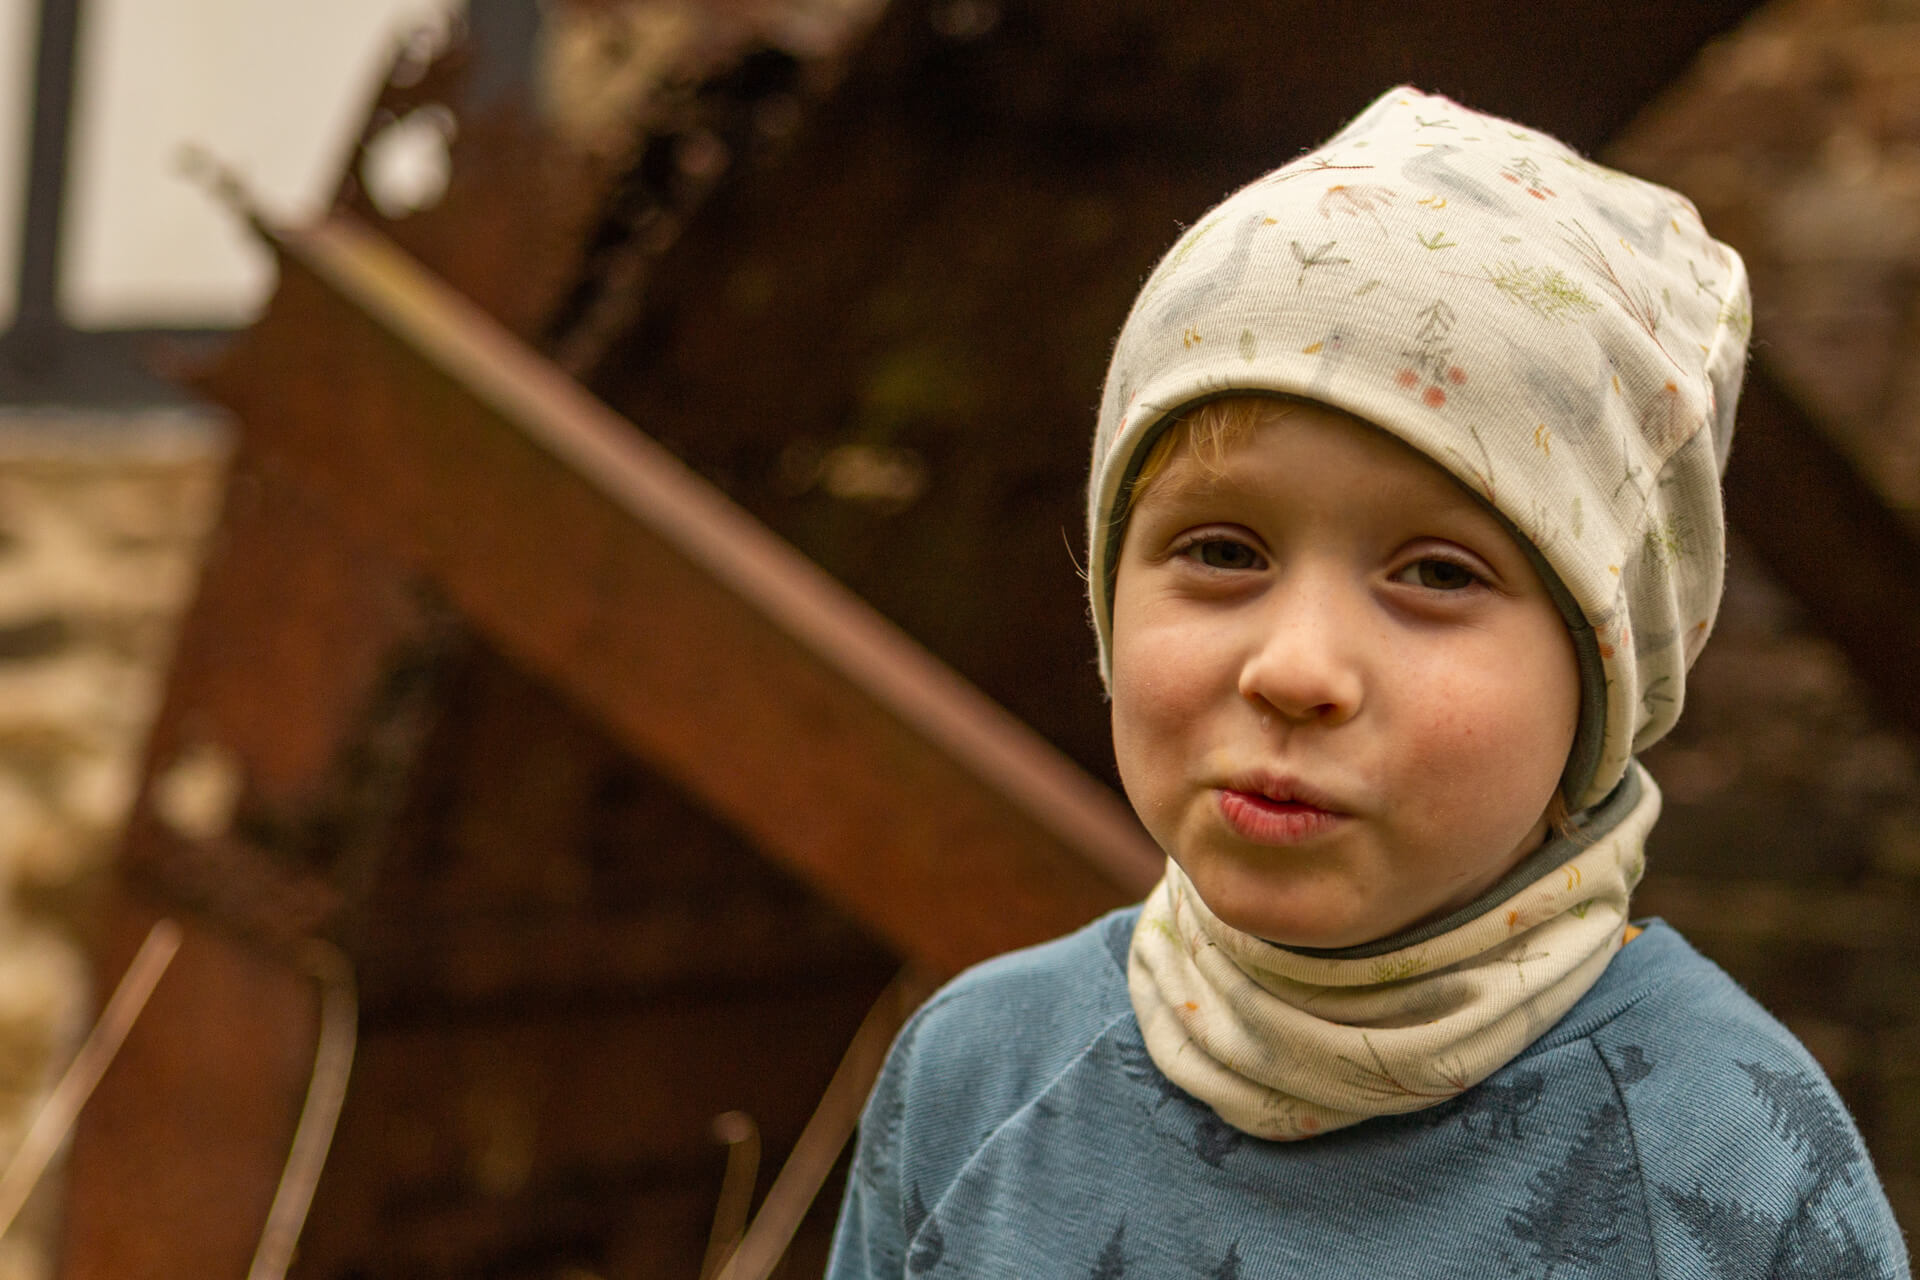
(1566,340)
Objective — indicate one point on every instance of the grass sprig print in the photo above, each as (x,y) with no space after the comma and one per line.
(1378,1079)
(1635,299)
(1396,968)
(1546,291)
(1322,256)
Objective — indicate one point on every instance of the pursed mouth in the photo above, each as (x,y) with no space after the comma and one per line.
(1281,794)
(1276,809)
(1261,818)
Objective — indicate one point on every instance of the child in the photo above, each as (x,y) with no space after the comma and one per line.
(1405,528)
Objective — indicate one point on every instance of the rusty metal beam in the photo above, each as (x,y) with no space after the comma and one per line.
(278,677)
(704,643)
(191,1155)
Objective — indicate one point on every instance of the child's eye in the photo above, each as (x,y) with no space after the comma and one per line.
(1439,575)
(1222,553)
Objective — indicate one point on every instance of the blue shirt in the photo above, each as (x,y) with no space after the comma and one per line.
(1666,1127)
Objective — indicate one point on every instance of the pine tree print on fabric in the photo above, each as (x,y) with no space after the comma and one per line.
(1112,1262)
(1630,1066)
(1137,1065)
(1803,1114)
(923,1229)
(1575,1210)
(1545,291)
(1737,1242)
(1493,1109)
(1430,358)
(1214,1139)
(1812,1253)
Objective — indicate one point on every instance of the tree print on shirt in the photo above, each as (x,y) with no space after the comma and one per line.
(1740,1241)
(923,1230)
(1736,1241)
(1575,1210)
(1138,1066)
(1811,1253)
(1493,1109)
(1814,1127)
(1630,1065)
(1112,1262)
(1214,1139)
(1740,1244)
(1229,1268)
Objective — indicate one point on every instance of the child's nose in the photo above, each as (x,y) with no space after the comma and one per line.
(1302,663)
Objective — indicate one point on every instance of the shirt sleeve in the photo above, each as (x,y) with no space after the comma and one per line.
(1758,1173)
(871,1239)
(1841,1237)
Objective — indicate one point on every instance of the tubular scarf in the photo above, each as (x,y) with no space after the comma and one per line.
(1287,1044)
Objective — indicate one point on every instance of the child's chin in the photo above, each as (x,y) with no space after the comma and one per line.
(1314,930)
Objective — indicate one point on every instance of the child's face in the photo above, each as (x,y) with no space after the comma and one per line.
(1342,697)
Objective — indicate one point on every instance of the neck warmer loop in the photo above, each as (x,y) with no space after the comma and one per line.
(1286,1044)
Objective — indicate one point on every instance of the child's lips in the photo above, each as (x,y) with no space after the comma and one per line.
(1276,811)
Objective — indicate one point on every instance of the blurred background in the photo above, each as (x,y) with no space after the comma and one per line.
(333,616)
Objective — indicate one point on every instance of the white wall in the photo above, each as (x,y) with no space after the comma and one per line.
(16,94)
(275,88)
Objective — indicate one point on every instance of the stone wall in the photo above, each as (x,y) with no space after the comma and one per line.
(101,521)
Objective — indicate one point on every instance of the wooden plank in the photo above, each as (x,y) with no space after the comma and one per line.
(703,642)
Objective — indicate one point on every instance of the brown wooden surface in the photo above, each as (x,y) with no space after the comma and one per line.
(772,694)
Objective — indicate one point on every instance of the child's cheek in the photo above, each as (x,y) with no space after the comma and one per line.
(1471,738)
(1485,747)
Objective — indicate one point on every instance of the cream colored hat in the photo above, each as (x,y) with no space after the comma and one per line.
(1566,340)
